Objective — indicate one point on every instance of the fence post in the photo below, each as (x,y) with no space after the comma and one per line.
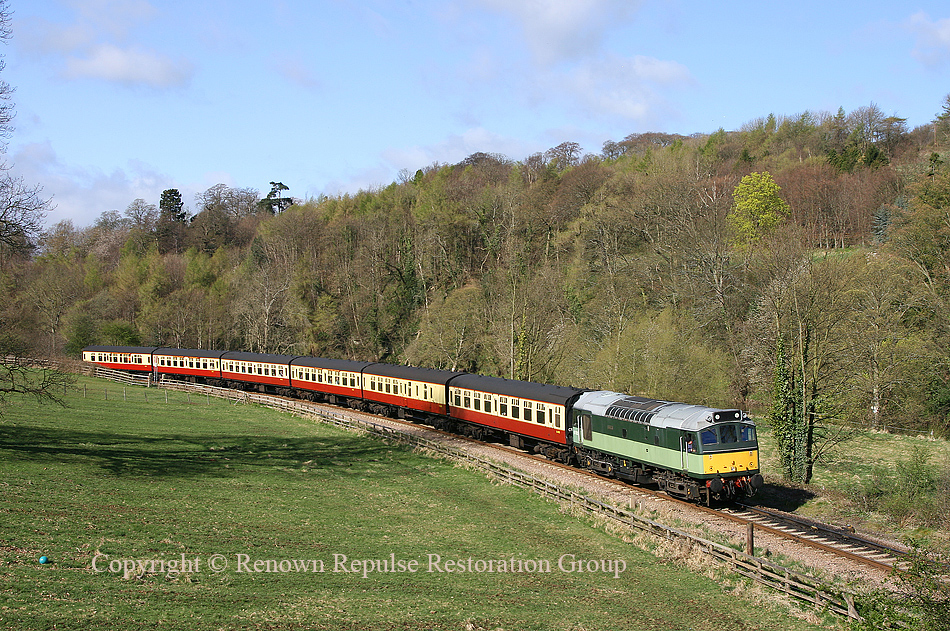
(750,540)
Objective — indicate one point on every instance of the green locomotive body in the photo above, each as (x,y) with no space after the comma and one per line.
(691,451)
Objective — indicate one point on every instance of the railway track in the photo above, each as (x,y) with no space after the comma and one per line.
(826,538)
(841,541)
(815,535)
(812,534)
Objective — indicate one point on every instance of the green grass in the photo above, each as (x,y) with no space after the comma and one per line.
(142,481)
(888,483)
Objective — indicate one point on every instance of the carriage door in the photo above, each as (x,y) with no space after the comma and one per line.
(687,446)
(581,428)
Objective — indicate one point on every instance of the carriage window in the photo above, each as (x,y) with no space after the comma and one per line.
(540,417)
(708,437)
(503,408)
(468,401)
(478,405)
(514,410)
(728,433)
(527,414)
(557,419)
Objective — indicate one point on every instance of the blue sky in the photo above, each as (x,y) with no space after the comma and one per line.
(121,99)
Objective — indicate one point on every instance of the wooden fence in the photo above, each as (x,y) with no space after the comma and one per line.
(803,588)
(796,585)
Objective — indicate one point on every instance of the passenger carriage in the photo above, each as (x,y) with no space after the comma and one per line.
(523,409)
(690,451)
(423,390)
(267,371)
(334,380)
(133,358)
(196,364)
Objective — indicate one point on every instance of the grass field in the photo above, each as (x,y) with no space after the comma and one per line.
(881,482)
(242,504)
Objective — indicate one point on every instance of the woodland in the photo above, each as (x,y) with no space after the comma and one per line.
(798,267)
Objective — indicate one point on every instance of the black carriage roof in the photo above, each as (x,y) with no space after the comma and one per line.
(519,389)
(119,349)
(265,358)
(331,364)
(188,352)
(412,373)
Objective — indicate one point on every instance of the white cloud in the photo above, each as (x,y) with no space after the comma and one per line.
(932,47)
(295,69)
(81,194)
(95,45)
(456,148)
(115,17)
(631,89)
(557,30)
(129,67)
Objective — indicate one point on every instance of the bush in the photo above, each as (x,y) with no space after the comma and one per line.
(912,491)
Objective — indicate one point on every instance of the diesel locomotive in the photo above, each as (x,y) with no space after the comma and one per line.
(690,451)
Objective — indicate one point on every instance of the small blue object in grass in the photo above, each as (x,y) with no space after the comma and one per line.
(44,560)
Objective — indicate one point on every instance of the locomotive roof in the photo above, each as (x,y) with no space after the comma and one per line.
(331,364)
(267,358)
(188,352)
(118,349)
(521,389)
(655,412)
(412,373)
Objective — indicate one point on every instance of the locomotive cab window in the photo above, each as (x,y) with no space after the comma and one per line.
(727,434)
(746,433)
(708,436)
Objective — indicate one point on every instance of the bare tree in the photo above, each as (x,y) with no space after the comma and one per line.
(6,91)
(22,211)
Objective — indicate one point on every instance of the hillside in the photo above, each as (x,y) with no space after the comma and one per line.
(798,267)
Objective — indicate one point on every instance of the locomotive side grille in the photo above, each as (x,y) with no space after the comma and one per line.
(636,409)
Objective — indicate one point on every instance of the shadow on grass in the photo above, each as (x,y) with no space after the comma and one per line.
(183,455)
